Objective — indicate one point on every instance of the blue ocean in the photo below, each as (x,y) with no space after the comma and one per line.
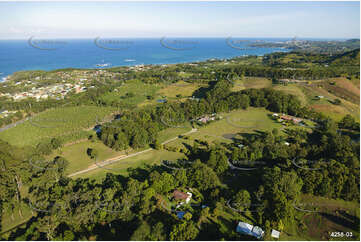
(50,54)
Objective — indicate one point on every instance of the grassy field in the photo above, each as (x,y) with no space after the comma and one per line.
(295,90)
(78,158)
(332,216)
(231,126)
(251,82)
(257,82)
(137,92)
(222,130)
(173,132)
(11,219)
(121,167)
(176,91)
(326,106)
(55,123)
(179,88)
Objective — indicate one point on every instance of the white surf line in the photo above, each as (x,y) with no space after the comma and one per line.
(110,161)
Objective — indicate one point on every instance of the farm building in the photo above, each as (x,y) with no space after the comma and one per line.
(178,195)
(290,118)
(275,234)
(249,229)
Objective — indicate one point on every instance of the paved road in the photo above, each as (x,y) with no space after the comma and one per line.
(116,159)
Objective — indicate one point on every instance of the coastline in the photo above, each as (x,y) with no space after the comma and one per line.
(94,67)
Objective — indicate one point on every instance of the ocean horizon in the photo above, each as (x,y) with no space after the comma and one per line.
(51,54)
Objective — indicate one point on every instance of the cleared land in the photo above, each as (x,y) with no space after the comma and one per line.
(251,82)
(79,159)
(295,90)
(133,92)
(121,167)
(325,104)
(60,122)
(332,215)
(230,126)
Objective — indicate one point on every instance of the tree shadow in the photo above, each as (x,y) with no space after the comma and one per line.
(343,219)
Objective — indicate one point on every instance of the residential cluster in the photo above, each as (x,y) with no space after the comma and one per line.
(59,90)
(282,118)
(56,91)
(207,118)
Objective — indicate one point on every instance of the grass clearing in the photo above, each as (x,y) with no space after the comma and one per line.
(78,158)
(121,167)
(347,84)
(133,92)
(257,82)
(179,88)
(293,89)
(173,132)
(324,105)
(176,91)
(55,123)
(232,124)
(12,219)
(333,215)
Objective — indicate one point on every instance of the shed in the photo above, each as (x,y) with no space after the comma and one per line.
(249,229)
(275,234)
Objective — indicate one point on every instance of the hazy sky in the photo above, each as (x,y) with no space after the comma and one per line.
(191,19)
